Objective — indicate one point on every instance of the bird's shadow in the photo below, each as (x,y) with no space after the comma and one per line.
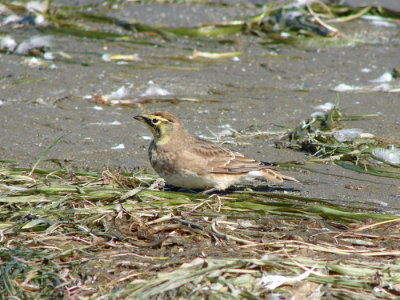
(232,189)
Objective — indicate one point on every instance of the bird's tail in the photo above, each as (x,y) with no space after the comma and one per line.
(275,176)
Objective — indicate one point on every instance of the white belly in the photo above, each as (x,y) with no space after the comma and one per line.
(189,181)
(194,181)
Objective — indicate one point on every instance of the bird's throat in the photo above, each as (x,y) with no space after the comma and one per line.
(161,135)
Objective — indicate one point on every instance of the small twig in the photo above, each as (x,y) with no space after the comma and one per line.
(187,223)
(352,17)
(323,5)
(217,233)
(218,201)
(376,224)
(201,204)
(302,266)
(47,6)
(131,193)
(322,23)
(168,217)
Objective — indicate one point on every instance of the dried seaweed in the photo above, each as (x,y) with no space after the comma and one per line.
(324,137)
(277,24)
(110,235)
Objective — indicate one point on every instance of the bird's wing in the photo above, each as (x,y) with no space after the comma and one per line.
(219,160)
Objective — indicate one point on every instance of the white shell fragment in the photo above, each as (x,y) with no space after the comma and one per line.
(346,88)
(347,135)
(106,57)
(8,43)
(118,147)
(121,93)
(37,41)
(273,281)
(317,114)
(385,77)
(155,90)
(390,156)
(328,106)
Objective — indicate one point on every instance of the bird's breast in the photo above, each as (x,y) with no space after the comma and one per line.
(162,161)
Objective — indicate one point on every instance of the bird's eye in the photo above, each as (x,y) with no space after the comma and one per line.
(155,121)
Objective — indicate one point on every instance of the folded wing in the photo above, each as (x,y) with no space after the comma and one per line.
(219,160)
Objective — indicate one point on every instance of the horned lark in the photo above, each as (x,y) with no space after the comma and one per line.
(187,161)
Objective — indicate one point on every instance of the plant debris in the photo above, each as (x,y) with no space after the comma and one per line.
(277,23)
(69,235)
(324,138)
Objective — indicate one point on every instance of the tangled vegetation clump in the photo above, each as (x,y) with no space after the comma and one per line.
(82,235)
(275,23)
(324,137)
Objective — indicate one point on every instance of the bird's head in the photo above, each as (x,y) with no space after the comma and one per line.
(163,125)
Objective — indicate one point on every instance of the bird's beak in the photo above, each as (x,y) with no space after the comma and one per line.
(145,119)
(139,118)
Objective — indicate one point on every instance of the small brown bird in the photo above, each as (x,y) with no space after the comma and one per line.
(187,161)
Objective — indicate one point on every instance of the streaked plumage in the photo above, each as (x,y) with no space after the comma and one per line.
(185,160)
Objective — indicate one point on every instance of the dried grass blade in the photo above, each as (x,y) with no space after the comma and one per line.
(44,154)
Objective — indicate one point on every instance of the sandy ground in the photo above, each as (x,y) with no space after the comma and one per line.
(268,86)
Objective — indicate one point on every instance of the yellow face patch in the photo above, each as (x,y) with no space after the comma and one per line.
(160,127)
(153,118)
